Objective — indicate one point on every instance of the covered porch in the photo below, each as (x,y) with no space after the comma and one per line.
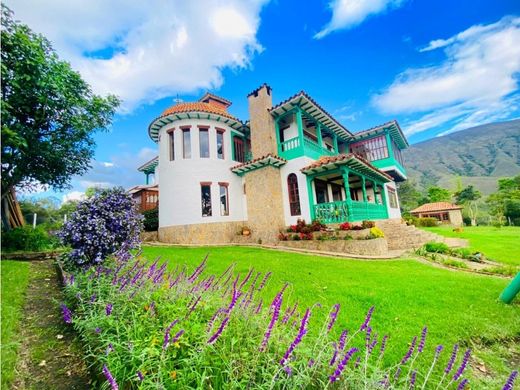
(346,188)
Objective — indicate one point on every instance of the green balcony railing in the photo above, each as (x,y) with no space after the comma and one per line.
(313,150)
(293,148)
(343,211)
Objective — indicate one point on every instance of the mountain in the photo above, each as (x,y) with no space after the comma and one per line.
(478,155)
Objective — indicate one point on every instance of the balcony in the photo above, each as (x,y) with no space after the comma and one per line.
(293,148)
(343,211)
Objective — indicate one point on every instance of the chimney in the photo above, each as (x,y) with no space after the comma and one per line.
(263,137)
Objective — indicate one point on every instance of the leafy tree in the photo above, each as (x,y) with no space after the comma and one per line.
(101,225)
(468,197)
(505,203)
(409,196)
(438,194)
(49,114)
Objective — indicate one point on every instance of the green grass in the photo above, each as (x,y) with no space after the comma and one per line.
(499,244)
(456,306)
(15,277)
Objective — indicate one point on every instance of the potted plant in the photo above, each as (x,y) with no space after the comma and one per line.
(246,231)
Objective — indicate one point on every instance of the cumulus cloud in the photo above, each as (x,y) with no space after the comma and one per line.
(143,51)
(74,195)
(350,13)
(475,84)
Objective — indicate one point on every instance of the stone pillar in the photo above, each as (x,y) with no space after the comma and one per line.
(263,136)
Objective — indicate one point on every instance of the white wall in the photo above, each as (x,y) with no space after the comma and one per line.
(294,166)
(291,131)
(392,213)
(180,197)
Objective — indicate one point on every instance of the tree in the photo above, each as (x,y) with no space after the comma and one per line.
(438,194)
(468,197)
(409,196)
(49,114)
(505,203)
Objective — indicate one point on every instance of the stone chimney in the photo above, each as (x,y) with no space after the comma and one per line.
(263,137)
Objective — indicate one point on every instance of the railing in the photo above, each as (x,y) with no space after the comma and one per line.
(332,212)
(290,144)
(342,211)
(312,149)
(292,148)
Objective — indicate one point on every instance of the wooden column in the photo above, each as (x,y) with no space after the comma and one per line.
(363,184)
(318,134)
(346,185)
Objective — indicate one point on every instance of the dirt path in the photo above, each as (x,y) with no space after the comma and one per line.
(50,355)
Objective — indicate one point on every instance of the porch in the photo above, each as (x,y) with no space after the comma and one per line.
(346,188)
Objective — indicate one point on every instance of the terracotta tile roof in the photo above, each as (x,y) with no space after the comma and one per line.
(436,206)
(209,95)
(197,107)
(395,131)
(344,158)
(151,187)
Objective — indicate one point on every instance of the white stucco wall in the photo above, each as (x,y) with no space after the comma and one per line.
(291,131)
(392,213)
(180,195)
(294,166)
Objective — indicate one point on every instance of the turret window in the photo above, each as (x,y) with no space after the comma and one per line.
(205,198)
(186,142)
(204,142)
(220,143)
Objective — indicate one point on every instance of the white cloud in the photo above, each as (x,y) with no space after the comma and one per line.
(74,195)
(350,13)
(477,83)
(146,50)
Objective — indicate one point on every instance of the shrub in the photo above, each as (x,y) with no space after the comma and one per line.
(25,238)
(283,237)
(316,226)
(455,263)
(375,232)
(151,220)
(368,224)
(426,222)
(466,221)
(306,236)
(296,237)
(463,253)
(348,237)
(345,226)
(506,270)
(437,247)
(100,226)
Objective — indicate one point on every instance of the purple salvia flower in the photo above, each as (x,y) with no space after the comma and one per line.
(276,313)
(140,376)
(166,340)
(397,373)
(97,330)
(463,365)
(110,348)
(288,370)
(213,318)
(289,313)
(110,378)
(462,384)
(438,351)
(334,355)
(217,334)
(449,366)
(311,363)
(342,364)
(333,316)
(423,339)
(368,336)
(223,274)
(358,362)
(510,381)
(264,281)
(343,339)
(367,318)
(194,305)
(93,298)
(67,314)
(177,336)
(299,337)
(248,276)
(384,382)
(383,345)
(409,353)
(413,378)
(259,307)
(108,309)
(198,270)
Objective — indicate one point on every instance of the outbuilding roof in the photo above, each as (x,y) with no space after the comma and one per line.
(149,166)
(436,206)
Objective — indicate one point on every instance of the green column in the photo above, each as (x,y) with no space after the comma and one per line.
(383,195)
(389,145)
(311,197)
(335,139)
(374,184)
(318,134)
(147,178)
(511,290)
(277,131)
(346,185)
(364,189)
(299,122)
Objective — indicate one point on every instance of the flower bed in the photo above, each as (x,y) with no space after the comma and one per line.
(373,247)
(145,326)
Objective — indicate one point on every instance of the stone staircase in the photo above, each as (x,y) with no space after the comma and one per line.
(401,236)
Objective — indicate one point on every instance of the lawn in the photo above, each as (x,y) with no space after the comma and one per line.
(15,277)
(456,306)
(499,244)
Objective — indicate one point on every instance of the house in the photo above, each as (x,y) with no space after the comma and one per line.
(445,212)
(289,161)
(146,197)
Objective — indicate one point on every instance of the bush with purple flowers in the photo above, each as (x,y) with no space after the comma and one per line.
(100,226)
(148,326)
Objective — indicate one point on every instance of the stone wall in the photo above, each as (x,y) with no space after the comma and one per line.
(456,217)
(374,247)
(263,137)
(264,204)
(149,236)
(203,233)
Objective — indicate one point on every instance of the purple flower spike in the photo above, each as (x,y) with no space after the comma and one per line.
(383,345)
(408,354)
(333,316)
(463,365)
(217,334)
(413,378)
(343,339)
(275,306)
(108,309)
(110,378)
(177,336)
(93,298)
(311,363)
(166,340)
(510,381)
(67,314)
(299,337)
(140,376)
(288,370)
(334,355)
(449,366)
(423,339)
(97,330)
(462,384)
(341,366)
(438,351)
(367,318)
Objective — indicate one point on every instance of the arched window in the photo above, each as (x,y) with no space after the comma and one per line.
(294,195)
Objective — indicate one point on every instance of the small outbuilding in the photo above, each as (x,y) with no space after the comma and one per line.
(445,212)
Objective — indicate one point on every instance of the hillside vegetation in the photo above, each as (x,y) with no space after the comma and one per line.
(478,156)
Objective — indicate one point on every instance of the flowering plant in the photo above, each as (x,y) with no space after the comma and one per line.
(100,226)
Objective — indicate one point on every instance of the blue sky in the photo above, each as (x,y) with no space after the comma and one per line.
(435,66)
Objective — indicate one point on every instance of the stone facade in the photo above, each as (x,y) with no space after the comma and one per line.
(149,236)
(203,233)
(374,247)
(263,136)
(264,204)
(455,217)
